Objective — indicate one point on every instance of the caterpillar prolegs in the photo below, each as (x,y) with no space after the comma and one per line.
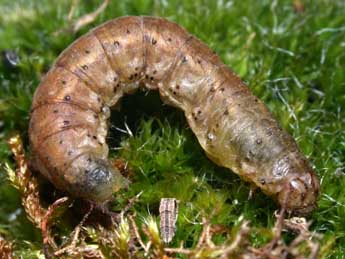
(70,109)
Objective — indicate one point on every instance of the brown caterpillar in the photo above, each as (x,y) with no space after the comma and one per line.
(68,125)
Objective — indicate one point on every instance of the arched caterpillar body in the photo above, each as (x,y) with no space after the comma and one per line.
(68,124)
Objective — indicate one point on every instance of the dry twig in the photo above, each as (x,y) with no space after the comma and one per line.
(6,249)
(25,182)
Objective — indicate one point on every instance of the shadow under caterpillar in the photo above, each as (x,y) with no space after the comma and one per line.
(70,109)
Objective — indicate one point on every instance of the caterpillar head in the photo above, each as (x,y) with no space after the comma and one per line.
(300,188)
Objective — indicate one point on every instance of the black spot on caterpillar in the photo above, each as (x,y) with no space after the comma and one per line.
(235,129)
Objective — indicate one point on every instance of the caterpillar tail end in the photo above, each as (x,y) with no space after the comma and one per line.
(102,181)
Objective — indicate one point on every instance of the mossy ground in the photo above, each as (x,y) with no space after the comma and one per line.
(294,60)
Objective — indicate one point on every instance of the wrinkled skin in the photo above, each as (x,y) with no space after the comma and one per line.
(68,125)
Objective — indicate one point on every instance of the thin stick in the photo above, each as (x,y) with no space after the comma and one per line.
(76,233)
(47,241)
(136,232)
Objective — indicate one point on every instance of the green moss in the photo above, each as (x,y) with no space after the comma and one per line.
(293,61)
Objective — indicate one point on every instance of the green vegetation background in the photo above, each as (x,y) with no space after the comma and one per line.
(293,60)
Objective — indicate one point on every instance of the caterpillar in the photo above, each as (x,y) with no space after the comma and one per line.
(71,106)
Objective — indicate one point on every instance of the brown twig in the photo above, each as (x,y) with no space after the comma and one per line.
(205,236)
(6,249)
(25,182)
(240,238)
(130,204)
(136,232)
(75,235)
(48,240)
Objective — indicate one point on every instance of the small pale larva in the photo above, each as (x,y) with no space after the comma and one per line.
(70,108)
(168,211)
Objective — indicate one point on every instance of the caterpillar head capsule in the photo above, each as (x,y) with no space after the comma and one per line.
(301,187)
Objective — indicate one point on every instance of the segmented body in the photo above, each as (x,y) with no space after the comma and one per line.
(68,125)
(168,211)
